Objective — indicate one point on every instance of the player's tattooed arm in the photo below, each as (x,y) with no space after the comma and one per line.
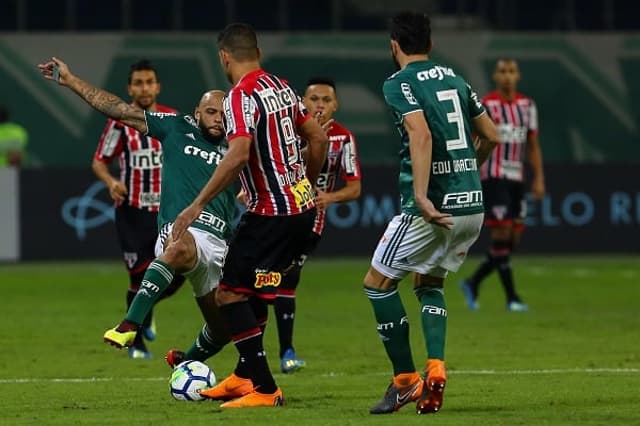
(107,103)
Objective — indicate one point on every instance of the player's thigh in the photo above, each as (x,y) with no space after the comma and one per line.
(262,248)
(211,250)
(409,244)
(463,234)
(137,232)
(497,199)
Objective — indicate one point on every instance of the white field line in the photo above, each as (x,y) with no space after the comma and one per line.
(551,371)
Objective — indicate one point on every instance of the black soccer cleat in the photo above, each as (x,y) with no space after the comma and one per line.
(404,389)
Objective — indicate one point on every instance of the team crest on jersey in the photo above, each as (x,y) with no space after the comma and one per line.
(130,258)
(499,212)
(189,119)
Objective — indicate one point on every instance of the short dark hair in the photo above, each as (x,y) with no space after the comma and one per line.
(412,31)
(327,81)
(142,65)
(240,40)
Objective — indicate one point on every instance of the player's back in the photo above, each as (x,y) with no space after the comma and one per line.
(448,104)
(266,109)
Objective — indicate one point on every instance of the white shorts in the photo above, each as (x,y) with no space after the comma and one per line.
(409,244)
(211,250)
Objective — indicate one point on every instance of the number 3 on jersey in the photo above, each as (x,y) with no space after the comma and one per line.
(454,117)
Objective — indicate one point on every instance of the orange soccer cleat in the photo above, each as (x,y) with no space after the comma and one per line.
(230,388)
(257,399)
(434,383)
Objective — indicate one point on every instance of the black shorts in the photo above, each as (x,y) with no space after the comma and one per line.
(261,249)
(504,202)
(137,231)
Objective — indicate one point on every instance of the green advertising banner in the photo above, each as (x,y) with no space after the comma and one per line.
(583,84)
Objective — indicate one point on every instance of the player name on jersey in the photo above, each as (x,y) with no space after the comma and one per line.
(455,166)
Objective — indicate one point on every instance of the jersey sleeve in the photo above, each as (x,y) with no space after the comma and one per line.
(350,160)
(111,142)
(239,111)
(399,96)
(533,120)
(160,124)
(476,107)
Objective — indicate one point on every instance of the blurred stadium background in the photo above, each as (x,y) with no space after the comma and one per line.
(579,61)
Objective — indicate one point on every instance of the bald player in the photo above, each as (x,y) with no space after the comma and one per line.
(193,146)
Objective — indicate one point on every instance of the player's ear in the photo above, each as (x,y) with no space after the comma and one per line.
(258,53)
(196,115)
(129,90)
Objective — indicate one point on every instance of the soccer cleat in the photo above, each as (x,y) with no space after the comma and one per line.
(119,339)
(257,399)
(433,390)
(230,388)
(516,306)
(137,353)
(149,333)
(469,297)
(174,357)
(290,362)
(403,389)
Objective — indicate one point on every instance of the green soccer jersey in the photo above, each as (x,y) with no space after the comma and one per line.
(188,161)
(448,104)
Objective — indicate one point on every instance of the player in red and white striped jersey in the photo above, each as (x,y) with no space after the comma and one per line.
(342,162)
(137,191)
(265,121)
(503,176)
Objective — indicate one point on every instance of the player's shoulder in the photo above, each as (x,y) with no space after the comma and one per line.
(491,96)
(338,129)
(522,98)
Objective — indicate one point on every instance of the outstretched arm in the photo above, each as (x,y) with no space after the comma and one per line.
(103,101)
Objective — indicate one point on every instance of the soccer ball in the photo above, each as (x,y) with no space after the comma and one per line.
(188,378)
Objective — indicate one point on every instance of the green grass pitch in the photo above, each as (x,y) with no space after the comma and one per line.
(574,359)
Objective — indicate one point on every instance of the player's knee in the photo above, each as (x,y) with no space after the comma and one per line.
(500,248)
(179,255)
(291,279)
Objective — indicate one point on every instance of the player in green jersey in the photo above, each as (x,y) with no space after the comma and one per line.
(192,148)
(434,110)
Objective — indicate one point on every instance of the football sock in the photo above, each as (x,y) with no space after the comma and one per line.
(247,337)
(205,346)
(393,327)
(284,307)
(134,286)
(484,269)
(500,252)
(433,313)
(156,279)
(506,278)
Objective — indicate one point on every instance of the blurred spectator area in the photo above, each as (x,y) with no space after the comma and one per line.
(313,15)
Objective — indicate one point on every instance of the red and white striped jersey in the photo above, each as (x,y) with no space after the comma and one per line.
(140,161)
(264,108)
(342,161)
(516,121)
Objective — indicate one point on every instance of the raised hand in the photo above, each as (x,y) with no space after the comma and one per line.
(63,73)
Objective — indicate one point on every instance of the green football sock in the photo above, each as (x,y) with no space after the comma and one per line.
(393,327)
(157,278)
(205,346)
(433,312)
